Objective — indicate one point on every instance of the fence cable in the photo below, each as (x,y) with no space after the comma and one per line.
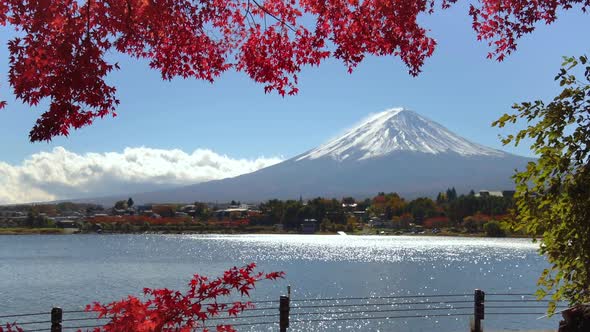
(257,323)
(76,311)
(252,302)
(372,311)
(243,317)
(380,297)
(82,319)
(517,301)
(516,294)
(379,317)
(35,322)
(515,313)
(517,307)
(260,309)
(82,327)
(24,315)
(379,304)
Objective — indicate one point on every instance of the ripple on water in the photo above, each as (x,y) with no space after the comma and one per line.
(368,248)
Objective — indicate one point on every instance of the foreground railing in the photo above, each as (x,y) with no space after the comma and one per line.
(288,311)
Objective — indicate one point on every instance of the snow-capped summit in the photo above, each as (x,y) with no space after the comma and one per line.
(393,130)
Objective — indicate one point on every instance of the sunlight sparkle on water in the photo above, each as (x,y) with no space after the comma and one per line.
(373,248)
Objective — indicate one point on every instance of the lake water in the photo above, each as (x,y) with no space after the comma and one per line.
(38,272)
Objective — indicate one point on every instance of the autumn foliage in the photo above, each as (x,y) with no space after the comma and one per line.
(60,49)
(170,310)
(10,328)
(437,222)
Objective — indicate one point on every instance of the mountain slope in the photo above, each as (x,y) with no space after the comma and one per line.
(393,151)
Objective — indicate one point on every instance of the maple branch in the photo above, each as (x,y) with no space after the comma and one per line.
(274,16)
(249,13)
(88,20)
(129,20)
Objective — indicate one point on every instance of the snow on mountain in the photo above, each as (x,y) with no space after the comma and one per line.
(397,129)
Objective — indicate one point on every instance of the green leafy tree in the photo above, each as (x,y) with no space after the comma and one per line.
(326,225)
(451,194)
(421,208)
(121,205)
(553,192)
(290,218)
(130,202)
(470,224)
(202,211)
(494,229)
(441,198)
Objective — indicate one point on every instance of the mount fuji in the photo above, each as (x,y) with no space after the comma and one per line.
(397,150)
(396,130)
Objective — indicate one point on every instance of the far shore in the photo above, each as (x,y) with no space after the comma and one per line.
(27,231)
(378,232)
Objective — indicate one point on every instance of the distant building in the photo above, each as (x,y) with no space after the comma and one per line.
(10,214)
(66,224)
(349,205)
(309,226)
(143,208)
(488,193)
(231,213)
(380,223)
(361,215)
(188,208)
(119,212)
(66,218)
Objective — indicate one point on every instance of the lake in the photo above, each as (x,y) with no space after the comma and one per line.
(38,272)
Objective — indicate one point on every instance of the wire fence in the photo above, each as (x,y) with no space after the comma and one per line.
(292,312)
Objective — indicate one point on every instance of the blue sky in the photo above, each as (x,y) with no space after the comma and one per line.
(458,88)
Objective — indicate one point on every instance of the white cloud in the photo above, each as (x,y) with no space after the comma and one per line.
(61,174)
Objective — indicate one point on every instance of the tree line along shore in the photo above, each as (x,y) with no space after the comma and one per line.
(474,214)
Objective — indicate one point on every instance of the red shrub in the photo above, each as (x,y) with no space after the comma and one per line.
(481,218)
(10,328)
(437,222)
(169,310)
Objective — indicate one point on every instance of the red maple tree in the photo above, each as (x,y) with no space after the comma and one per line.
(60,50)
(170,310)
(8,327)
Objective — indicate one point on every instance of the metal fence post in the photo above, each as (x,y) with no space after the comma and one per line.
(478,309)
(284,307)
(56,319)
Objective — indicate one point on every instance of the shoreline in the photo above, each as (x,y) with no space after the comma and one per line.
(62,231)
(32,231)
